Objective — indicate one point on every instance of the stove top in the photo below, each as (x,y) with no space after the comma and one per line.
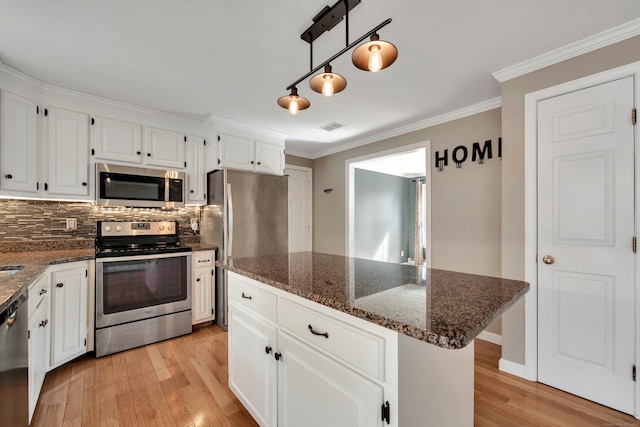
(130,238)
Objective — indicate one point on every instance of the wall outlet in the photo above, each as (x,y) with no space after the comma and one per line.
(401,253)
(194,224)
(72,223)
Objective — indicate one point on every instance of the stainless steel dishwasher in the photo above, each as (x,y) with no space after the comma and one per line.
(14,359)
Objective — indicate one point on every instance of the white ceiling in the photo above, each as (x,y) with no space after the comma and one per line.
(234,58)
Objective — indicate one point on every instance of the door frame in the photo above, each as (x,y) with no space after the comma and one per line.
(531,100)
(309,172)
(350,166)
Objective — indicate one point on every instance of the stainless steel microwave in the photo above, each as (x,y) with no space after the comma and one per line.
(138,187)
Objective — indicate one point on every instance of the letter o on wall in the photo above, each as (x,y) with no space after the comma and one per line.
(455,157)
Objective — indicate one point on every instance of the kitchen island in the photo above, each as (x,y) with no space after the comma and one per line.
(407,329)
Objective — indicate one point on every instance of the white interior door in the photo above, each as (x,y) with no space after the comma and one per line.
(299,209)
(586,297)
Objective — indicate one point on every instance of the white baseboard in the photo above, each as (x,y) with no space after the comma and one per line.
(512,368)
(490,337)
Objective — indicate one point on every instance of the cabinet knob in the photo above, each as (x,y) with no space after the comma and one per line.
(8,176)
(259,163)
(277,355)
(138,153)
(59,285)
(191,191)
(42,291)
(148,154)
(84,184)
(44,323)
(198,279)
(267,349)
(252,162)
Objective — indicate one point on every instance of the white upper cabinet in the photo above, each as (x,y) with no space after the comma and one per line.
(19,145)
(67,163)
(251,155)
(196,191)
(120,141)
(165,148)
(114,140)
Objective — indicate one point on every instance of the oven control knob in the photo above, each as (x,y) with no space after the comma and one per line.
(161,228)
(118,228)
(170,227)
(107,228)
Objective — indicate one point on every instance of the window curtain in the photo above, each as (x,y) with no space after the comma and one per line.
(418,243)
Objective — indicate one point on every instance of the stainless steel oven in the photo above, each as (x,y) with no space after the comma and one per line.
(143,285)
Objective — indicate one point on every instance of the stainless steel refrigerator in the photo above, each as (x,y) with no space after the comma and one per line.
(246,215)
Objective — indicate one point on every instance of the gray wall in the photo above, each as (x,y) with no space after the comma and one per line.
(381,216)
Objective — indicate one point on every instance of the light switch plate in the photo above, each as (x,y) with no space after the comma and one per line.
(72,223)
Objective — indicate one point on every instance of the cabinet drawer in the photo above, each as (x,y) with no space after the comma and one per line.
(253,298)
(203,258)
(350,345)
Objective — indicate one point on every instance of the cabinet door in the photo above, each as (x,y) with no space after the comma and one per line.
(113,140)
(252,366)
(165,148)
(202,294)
(39,332)
(68,314)
(237,153)
(19,144)
(269,158)
(316,391)
(195,170)
(68,153)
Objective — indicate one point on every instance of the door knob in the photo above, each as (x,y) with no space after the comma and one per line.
(548,259)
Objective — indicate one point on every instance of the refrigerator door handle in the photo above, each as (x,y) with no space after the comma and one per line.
(230,219)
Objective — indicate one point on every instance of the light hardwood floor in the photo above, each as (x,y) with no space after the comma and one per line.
(183,382)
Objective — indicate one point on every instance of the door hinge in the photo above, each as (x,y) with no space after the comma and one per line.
(37,110)
(46,112)
(633,372)
(85,342)
(218,137)
(93,121)
(634,244)
(86,273)
(385,412)
(218,161)
(185,164)
(29,335)
(212,311)
(633,116)
(204,142)
(93,151)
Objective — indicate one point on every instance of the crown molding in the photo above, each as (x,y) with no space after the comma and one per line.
(20,77)
(480,107)
(221,123)
(597,41)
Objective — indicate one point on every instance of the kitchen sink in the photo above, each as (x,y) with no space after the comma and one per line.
(8,270)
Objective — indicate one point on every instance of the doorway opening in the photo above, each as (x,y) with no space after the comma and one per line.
(389,205)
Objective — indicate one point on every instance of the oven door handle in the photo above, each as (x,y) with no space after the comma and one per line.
(142,257)
(230,219)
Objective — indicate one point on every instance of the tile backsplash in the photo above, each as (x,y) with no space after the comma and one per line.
(24,220)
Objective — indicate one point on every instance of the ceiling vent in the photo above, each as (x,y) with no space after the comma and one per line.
(332,126)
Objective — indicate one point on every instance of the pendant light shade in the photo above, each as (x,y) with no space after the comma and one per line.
(293,102)
(327,83)
(374,55)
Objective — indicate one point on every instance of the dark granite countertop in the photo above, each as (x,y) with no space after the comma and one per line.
(445,308)
(36,256)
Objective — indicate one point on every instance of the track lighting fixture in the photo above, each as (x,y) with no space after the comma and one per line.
(374,55)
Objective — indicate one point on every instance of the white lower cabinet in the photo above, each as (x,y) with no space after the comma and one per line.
(69,306)
(314,390)
(288,379)
(39,333)
(252,366)
(203,295)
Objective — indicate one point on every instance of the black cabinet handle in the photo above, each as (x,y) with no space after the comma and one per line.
(191,191)
(44,323)
(148,154)
(324,334)
(59,285)
(84,184)
(277,355)
(246,296)
(251,161)
(259,163)
(198,279)
(138,153)
(42,292)
(267,349)
(8,176)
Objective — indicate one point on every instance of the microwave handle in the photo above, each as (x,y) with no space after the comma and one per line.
(230,219)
